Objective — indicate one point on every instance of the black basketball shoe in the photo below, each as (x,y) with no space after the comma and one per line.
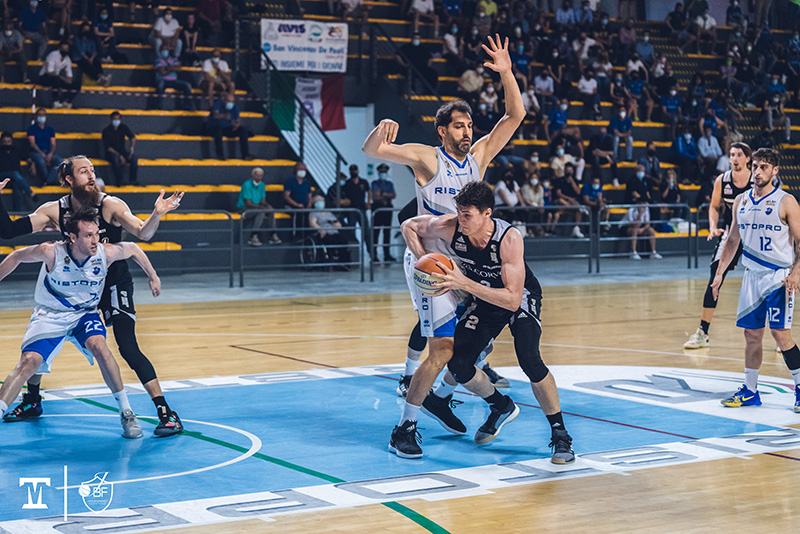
(441,410)
(169,424)
(561,443)
(403,385)
(496,379)
(30,407)
(497,418)
(405,441)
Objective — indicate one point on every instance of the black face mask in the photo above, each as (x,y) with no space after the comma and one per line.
(64,53)
(651,152)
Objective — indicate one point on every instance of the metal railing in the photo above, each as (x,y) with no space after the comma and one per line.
(302,245)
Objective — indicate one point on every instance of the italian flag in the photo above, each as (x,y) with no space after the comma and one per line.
(322,97)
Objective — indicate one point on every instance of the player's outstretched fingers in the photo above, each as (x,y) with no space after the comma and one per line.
(4,183)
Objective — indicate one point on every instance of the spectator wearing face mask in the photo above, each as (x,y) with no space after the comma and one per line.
(672,110)
(627,41)
(565,18)
(453,49)
(773,116)
(706,26)
(620,95)
(601,152)
(225,120)
(472,50)
(593,198)
(534,118)
(57,73)
(423,10)
(42,141)
(10,161)
(735,17)
(678,24)
(217,76)
(470,83)
(567,193)
(297,194)
(544,87)
(329,230)
(166,72)
(651,163)
(637,224)
(557,119)
(489,97)
(253,196)
(483,20)
(645,50)
(708,151)
(684,153)
(483,121)
(167,30)
(106,39)
(416,55)
(115,143)
(584,16)
(33,23)
(11,49)
(532,194)
(589,94)
(636,187)
(85,54)
(621,128)
(383,194)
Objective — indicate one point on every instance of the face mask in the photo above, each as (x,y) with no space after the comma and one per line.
(215,59)
(9,32)
(651,152)
(738,34)
(482,107)
(605,21)
(646,38)
(319,204)
(228,105)
(534,159)
(622,114)
(563,38)
(694,103)
(774,82)
(454,31)
(41,120)
(596,187)
(619,80)
(749,48)
(546,185)
(490,89)
(673,93)
(165,53)
(563,107)
(474,33)
(555,55)
(776,100)
(560,151)
(116,123)
(167,18)
(479,70)
(535,181)
(34,4)
(415,42)
(735,48)
(64,53)
(521,49)
(382,175)
(301,174)
(103,16)
(640,175)
(518,31)
(688,137)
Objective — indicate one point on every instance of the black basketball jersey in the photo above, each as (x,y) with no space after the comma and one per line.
(484,265)
(729,193)
(108,234)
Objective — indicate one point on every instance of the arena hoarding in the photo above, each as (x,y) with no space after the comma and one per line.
(305,45)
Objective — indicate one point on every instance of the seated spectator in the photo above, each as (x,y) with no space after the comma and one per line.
(217,76)
(706,26)
(166,68)
(558,120)
(115,137)
(472,46)
(253,196)
(672,110)
(357,190)
(670,192)
(10,162)
(452,50)
(636,189)
(358,10)
(567,193)
(635,64)
(620,95)
(560,160)
(621,129)
(328,229)
(534,119)
(482,20)
(764,138)
(544,87)
(297,195)
(627,41)
(565,18)
(708,150)
(105,38)
(483,121)
(56,72)
(84,53)
(584,16)
(581,47)
(604,32)
(593,198)
(589,95)
(678,24)
(189,36)
(532,194)
(490,97)
(640,93)
(382,195)
(224,120)
(533,165)
(734,15)
(33,23)
(413,54)
(666,82)
(637,224)
(505,159)
(651,163)
(684,153)
(645,50)
(423,10)
(601,152)
(167,30)
(469,84)
(42,141)
(774,117)
(11,49)
(507,197)
(604,71)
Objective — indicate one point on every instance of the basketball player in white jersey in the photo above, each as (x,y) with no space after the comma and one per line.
(727,187)
(67,295)
(440,172)
(766,220)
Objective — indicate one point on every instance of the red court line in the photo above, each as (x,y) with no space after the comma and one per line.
(285,357)
(782,456)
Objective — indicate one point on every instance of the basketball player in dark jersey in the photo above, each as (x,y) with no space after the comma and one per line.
(116,302)
(504,291)
(727,187)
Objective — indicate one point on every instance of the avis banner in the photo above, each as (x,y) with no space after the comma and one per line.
(305,45)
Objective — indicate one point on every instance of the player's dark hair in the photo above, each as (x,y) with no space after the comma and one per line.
(83,214)
(767,155)
(444,115)
(65,168)
(744,147)
(477,194)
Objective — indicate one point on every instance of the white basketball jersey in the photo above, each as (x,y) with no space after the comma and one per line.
(436,197)
(766,244)
(72,286)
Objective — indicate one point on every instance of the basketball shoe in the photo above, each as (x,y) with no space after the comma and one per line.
(497,380)
(30,407)
(402,386)
(797,399)
(441,409)
(698,340)
(743,397)
(131,428)
(497,418)
(405,441)
(169,424)
(561,444)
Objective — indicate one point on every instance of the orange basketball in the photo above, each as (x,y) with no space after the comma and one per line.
(427,272)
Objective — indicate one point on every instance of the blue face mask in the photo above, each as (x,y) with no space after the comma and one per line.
(596,187)
(103,16)
(116,123)
(640,175)
(41,120)
(165,53)
(228,105)
(319,204)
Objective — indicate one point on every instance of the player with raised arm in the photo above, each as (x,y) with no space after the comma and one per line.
(503,291)
(116,303)
(727,187)
(766,221)
(440,172)
(68,292)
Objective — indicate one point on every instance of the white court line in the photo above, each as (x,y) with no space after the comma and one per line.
(255,446)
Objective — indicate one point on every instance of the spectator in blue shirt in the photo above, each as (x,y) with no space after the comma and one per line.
(645,50)
(671,109)
(297,193)
(565,18)
(42,139)
(557,118)
(33,22)
(684,152)
(84,53)
(584,17)
(651,163)
(621,128)
(105,37)
(225,120)
(775,85)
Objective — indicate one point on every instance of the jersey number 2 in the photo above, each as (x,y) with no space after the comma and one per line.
(472,322)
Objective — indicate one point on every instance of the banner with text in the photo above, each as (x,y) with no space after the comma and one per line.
(305,45)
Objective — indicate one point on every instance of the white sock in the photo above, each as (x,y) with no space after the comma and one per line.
(409,413)
(412,362)
(122,400)
(444,389)
(3,408)
(751,379)
(796,376)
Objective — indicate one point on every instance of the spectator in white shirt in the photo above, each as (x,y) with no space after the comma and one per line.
(489,97)
(581,47)
(534,118)
(57,73)
(423,9)
(709,150)
(167,30)
(544,87)
(705,24)
(637,223)
(587,87)
(217,76)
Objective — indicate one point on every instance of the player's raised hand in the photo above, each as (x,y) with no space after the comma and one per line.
(715,233)
(155,286)
(389,130)
(165,205)
(501,61)
(4,182)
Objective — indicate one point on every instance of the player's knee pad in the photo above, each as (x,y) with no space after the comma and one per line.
(129,349)
(708,299)
(535,368)
(462,369)
(792,358)
(416,341)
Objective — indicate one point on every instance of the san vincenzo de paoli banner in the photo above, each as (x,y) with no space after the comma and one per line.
(305,45)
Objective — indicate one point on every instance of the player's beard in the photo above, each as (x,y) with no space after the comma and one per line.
(460,148)
(86,195)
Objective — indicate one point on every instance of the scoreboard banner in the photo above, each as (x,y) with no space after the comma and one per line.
(305,45)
